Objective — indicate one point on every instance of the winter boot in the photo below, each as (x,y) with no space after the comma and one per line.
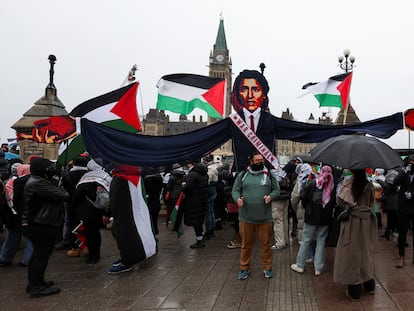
(353,292)
(386,235)
(400,262)
(370,286)
(198,244)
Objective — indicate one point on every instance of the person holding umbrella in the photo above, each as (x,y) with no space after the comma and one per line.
(358,232)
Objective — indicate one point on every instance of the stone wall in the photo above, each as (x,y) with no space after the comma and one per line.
(30,148)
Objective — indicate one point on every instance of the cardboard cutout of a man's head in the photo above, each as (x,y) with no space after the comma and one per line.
(250,91)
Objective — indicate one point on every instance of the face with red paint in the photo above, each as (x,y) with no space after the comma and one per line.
(251,93)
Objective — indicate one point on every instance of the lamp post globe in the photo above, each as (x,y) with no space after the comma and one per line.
(346,61)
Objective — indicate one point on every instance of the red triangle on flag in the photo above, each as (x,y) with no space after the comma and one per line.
(215,96)
(126,108)
(344,89)
(409,119)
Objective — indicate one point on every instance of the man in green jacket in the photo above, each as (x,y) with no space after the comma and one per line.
(254,189)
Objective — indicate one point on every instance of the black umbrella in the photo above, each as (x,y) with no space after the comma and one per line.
(356,152)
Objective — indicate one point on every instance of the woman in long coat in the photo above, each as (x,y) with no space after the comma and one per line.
(354,252)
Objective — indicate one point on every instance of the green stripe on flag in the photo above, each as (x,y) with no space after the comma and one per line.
(329,100)
(185,107)
(74,148)
(173,218)
(121,125)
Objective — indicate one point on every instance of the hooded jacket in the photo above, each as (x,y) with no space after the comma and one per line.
(195,188)
(40,191)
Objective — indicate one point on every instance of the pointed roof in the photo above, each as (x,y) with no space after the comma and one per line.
(47,106)
(221,44)
(351,116)
(287,114)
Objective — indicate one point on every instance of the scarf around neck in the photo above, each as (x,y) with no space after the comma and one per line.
(324,181)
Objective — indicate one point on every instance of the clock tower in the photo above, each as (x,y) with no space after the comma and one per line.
(220,67)
(220,64)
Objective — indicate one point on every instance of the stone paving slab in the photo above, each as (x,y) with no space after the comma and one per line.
(180,278)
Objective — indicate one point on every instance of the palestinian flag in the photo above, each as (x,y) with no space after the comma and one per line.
(177,216)
(181,93)
(116,109)
(132,223)
(332,93)
(79,232)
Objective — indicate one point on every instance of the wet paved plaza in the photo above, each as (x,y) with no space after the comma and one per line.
(180,278)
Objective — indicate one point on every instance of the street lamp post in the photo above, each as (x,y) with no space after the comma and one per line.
(346,63)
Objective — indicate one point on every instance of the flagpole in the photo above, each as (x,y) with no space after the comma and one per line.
(347,66)
(131,78)
(142,105)
(346,110)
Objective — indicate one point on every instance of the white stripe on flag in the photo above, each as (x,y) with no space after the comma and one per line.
(101,114)
(179,91)
(63,145)
(142,219)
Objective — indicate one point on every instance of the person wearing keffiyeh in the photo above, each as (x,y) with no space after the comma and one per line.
(318,200)
(325,182)
(83,197)
(303,171)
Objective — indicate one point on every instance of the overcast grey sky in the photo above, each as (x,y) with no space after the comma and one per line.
(97,41)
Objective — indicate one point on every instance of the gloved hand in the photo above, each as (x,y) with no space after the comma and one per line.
(408,195)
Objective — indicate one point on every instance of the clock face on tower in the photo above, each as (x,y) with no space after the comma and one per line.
(220,58)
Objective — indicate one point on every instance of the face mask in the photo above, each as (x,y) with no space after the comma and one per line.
(257,166)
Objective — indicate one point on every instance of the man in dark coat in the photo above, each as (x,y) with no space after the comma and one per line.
(405,212)
(41,218)
(195,188)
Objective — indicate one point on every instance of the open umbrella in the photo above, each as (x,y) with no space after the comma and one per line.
(356,152)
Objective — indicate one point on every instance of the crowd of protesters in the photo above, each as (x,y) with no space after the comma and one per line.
(298,203)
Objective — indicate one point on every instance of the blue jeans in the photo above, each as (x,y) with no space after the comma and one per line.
(312,232)
(11,245)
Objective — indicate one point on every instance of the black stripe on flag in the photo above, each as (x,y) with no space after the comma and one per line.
(340,77)
(100,101)
(198,81)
